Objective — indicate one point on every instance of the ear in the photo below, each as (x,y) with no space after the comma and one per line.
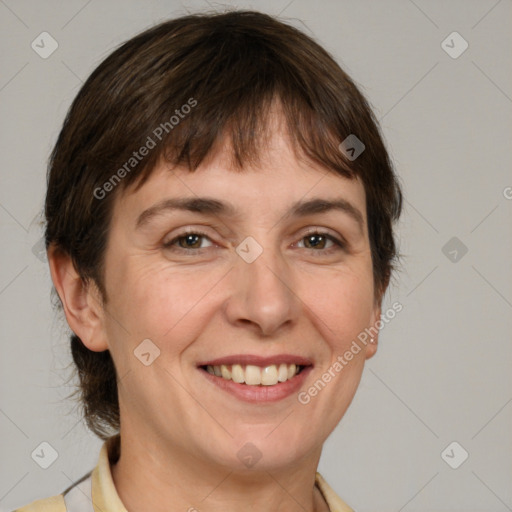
(371,347)
(81,302)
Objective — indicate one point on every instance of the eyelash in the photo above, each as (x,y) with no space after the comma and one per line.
(339,244)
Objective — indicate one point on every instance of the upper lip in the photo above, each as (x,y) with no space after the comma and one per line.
(245,359)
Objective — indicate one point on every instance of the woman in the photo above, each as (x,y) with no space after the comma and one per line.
(220,213)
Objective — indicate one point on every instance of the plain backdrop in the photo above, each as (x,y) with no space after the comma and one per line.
(442,371)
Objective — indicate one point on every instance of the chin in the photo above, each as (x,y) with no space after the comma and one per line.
(264,449)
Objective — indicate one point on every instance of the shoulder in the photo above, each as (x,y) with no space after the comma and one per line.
(76,498)
(52,504)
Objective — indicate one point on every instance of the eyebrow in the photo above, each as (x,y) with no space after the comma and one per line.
(207,205)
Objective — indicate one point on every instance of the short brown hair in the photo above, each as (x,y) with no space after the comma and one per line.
(228,69)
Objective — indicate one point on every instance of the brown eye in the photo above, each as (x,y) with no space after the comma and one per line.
(190,241)
(187,241)
(317,241)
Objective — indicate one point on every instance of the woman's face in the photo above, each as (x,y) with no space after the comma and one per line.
(246,277)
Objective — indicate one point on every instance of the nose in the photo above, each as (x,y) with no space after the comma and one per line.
(264,297)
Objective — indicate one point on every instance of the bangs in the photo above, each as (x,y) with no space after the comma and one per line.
(246,135)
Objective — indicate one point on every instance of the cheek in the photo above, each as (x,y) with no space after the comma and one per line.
(343,304)
(158,302)
(343,308)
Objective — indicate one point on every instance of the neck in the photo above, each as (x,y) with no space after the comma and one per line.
(149,476)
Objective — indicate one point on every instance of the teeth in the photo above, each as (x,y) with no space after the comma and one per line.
(226,374)
(282,375)
(237,374)
(269,375)
(254,375)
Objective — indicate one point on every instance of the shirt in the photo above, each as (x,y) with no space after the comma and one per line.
(95,491)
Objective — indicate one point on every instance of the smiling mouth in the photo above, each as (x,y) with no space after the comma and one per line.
(252,375)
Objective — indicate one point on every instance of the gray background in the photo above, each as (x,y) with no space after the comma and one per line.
(442,372)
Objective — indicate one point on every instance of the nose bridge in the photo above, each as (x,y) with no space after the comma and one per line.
(263,291)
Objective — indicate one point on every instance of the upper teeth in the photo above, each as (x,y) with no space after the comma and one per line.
(254,375)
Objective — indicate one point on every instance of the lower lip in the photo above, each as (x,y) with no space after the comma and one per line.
(260,394)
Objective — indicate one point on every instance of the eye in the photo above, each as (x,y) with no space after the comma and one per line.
(317,240)
(188,240)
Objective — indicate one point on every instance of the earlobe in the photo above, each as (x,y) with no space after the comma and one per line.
(371,347)
(81,303)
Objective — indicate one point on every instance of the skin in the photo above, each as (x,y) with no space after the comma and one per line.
(180,434)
